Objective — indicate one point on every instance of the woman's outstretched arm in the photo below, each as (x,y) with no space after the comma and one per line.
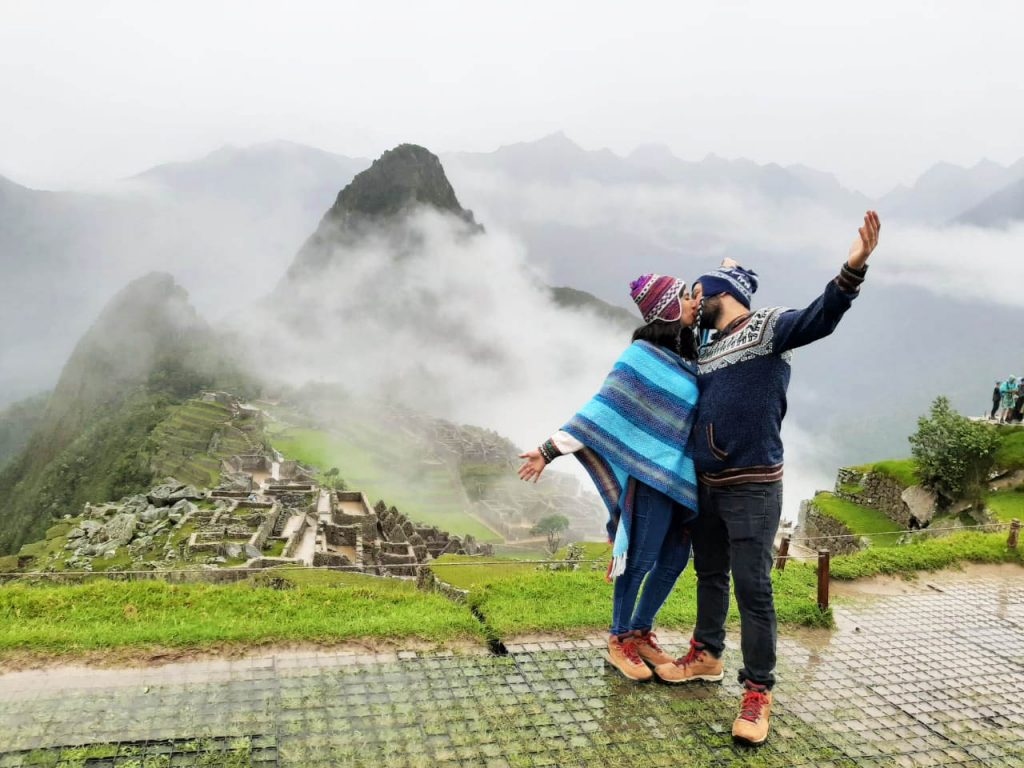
(536,460)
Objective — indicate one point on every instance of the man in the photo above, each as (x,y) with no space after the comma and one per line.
(743,374)
(997,398)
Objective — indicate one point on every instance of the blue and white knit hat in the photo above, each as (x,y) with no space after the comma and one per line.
(738,282)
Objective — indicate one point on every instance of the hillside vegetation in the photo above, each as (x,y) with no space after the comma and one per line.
(147,352)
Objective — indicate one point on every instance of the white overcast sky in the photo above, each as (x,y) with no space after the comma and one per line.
(875,91)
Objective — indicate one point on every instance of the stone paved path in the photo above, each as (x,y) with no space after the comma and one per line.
(934,678)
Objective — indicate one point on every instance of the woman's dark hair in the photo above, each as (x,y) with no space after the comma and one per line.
(668,334)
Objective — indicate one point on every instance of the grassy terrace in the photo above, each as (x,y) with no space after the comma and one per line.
(927,555)
(182,442)
(1011,448)
(1007,504)
(860,520)
(384,467)
(319,607)
(522,598)
(902,471)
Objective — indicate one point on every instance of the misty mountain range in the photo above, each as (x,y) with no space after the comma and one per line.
(227,226)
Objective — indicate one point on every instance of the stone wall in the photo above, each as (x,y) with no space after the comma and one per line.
(873,490)
(428,581)
(266,527)
(332,559)
(826,532)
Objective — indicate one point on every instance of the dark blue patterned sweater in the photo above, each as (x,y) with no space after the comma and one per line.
(743,377)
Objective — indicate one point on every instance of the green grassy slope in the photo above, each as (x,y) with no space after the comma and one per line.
(106,615)
(384,466)
(18,422)
(517,598)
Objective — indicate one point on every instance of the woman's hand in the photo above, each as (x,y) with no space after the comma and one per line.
(533,467)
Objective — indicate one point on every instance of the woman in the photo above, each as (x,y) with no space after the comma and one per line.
(631,437)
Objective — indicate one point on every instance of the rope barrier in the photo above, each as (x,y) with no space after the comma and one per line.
(986,526)
(284,568)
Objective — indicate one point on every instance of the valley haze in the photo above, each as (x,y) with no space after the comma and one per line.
(227,226)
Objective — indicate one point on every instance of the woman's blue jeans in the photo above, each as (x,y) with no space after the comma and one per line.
(659,548)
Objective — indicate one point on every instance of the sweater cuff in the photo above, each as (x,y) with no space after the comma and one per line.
(849,279)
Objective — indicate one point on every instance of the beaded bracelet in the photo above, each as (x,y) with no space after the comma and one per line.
(549,451)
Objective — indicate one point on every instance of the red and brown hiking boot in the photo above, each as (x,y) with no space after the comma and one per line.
(755,710)
(648,648)
(624,656)
(698,664)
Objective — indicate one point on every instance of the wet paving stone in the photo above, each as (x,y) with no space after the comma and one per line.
(931,679)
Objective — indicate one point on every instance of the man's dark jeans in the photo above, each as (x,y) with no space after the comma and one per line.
(737,526)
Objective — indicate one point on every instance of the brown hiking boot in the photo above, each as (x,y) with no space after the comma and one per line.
(698,664)
(623,655)
(649,650)
(755,710)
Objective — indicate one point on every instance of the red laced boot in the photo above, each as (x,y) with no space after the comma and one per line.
(697,664)
(755,712)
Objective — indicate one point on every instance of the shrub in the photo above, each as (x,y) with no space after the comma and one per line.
(954,455)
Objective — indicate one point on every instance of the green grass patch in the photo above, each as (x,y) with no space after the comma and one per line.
(1007,504)
(106,615)
(1010,454)
(927,555)
(860,520)
(521,598)
(60,529)
(274,547)
(592,550)
(121,561)
(8,563)
(903,471)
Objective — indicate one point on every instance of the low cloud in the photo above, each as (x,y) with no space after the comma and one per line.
(460,328)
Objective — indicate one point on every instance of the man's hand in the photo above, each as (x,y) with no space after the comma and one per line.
(729,263)
(533,467)
(866,241)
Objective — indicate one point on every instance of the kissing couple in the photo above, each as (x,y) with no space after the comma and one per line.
(683,442)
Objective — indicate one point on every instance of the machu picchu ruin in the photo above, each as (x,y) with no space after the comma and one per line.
(264,510)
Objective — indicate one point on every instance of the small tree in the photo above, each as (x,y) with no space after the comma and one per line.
(332,479)
(552,526)
(954,455)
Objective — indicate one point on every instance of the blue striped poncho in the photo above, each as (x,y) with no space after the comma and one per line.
(637,428)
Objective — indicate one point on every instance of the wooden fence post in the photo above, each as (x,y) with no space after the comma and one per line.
(780,562)
(1014,534)
(823,577)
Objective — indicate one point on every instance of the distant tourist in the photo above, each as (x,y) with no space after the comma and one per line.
(997,398)
(632,438)
(1018,407)
(1009,391)
(743,375)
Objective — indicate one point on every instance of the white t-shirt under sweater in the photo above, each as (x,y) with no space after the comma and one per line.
(565,442)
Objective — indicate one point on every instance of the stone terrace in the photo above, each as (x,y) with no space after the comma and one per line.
(931,678)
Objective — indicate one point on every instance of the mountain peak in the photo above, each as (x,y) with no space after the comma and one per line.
(402,178)
(376,201)
(146,324)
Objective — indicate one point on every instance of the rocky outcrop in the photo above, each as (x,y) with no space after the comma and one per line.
(921,505)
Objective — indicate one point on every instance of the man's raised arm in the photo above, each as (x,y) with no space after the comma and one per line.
(799,327)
